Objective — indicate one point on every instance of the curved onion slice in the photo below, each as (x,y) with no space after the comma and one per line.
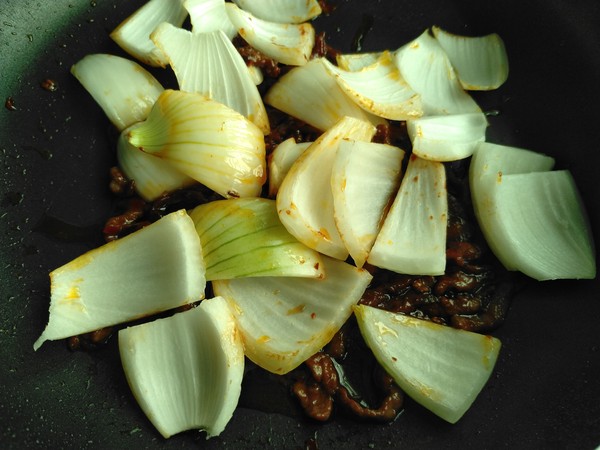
(356,61)
(364,179)
(547,231)
(133,34)
(124,90)
(186,371)
(152,176)
(379,89)
(281,160)
(448,137)
(286,43)
(481,63)
(428,71)
(442,368)
(156,268)
(244,238)
(311,94)
(412,239)
(209,64)
(489,164)
(283,320)
(305,199)
(207,141)
(281,11)
(209,15)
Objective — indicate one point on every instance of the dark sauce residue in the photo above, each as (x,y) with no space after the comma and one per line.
(366,26)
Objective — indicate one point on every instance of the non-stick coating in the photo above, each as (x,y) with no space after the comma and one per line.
(56,148)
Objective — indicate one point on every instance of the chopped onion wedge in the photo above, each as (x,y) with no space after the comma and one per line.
(311,94)
(379,89)
(547,233)
(244,238)
(489,164)
(186,371)
(133,34)
(209,15)
(305,199)
(428,71)
(124,90)
(281,160)
(412,239)
(282,11)
(152,176)
(209,64)
(447,137)
(364,180)
(286,43)
(283,320)
(441,368)
(207,141)
(356,61)
(481,63)
(156,268)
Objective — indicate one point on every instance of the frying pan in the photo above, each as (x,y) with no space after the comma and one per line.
(56,148)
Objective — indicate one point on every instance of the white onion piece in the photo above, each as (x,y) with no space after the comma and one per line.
(209,64)
(428,71)
(489,164)
(356,61)
(412,239)
(311,94)
(156,268)
(244,238)
(281,11)
(256,74)
(440,367)
(209,15)
(379,89)
(152,176)
(124,90)
(133,34)
(305,199)
(286,43)
(481,62)
(447,137)
(186,371)
(207,141)
(281,160)
(283,321)
(364,180)
(548,234)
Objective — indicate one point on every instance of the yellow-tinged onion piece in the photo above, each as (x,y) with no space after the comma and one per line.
(305,198)
(186,370)
(209,64)
(152,176)
(356,61)
(490,162)
(281,159)
(428,71)
(311,94)
(442,368)
(284,320)
(206,140)
(447,137)
(287,43)
(379,89)
(133,34)
(282,11)
(122,88)
(481,62)
(412,239)
(156,268)
(364,180)
(209,15)
(244,238)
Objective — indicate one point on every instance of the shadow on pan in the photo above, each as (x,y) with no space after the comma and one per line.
(56,149)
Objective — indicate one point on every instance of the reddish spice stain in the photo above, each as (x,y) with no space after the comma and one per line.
(313,315)
(10,104)
(49,85)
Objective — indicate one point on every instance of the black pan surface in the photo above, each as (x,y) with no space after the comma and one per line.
(56,148)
